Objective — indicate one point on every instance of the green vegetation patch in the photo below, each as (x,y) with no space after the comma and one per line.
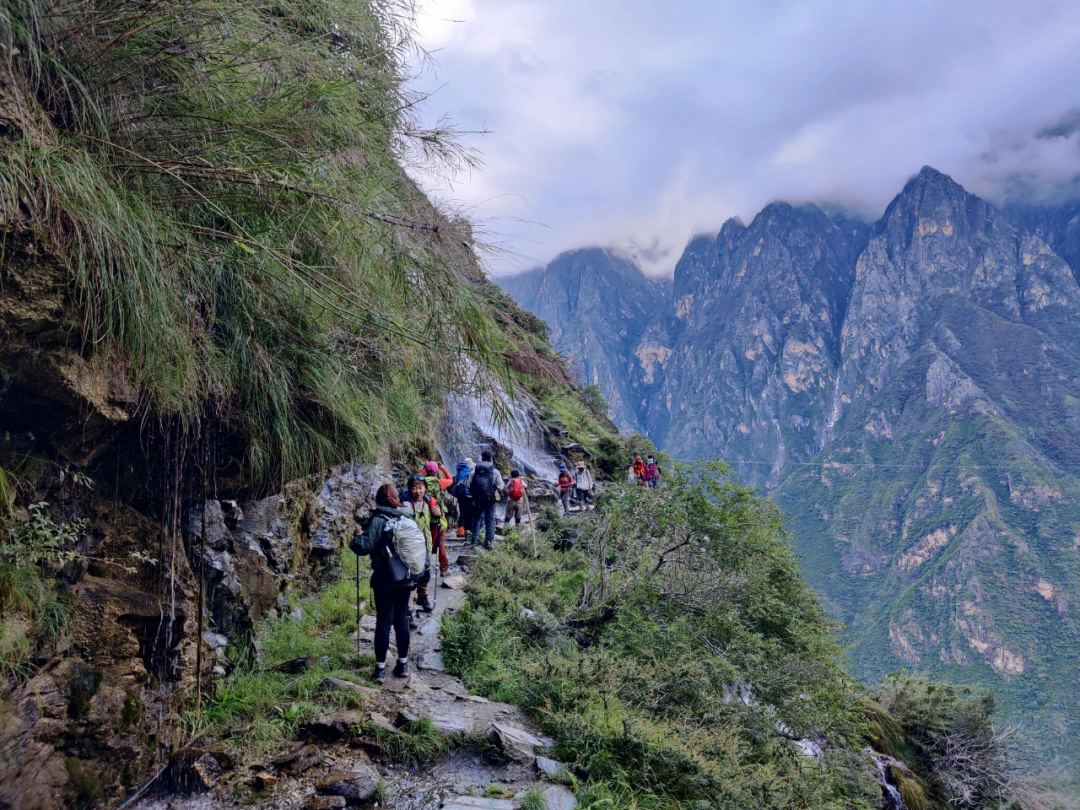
(634,647)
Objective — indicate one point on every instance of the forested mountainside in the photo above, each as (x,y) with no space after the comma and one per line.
(910,394)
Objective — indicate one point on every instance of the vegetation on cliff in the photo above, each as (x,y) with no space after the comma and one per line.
(222,185)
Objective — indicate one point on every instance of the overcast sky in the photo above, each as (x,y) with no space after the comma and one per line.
(636,124)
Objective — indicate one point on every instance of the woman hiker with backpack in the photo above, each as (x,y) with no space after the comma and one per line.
(565,483)
(392,580)
(425,510)
(485,484)
(515,499)
(439,480)
(584,486)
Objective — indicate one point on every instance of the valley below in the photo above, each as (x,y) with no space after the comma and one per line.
(907,391)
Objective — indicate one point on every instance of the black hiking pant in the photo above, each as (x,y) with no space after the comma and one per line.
(391,609)
(484,515)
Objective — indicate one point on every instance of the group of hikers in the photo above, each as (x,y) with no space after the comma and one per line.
(406,533)
(646,473)
(408,529)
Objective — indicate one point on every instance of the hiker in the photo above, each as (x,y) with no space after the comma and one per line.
(460,490)
(565,482)
(515,499)
(652,473)
(584,485)
(439,480)
(425,510)
(485,484)
(391,598)
(639,470)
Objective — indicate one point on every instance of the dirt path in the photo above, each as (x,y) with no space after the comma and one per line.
(335,768)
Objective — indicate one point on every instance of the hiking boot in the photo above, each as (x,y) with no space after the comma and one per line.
(402,669)
(413,624)
(427,607)
(379,675)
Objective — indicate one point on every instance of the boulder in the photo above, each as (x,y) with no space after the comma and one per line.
(557,797)
(334,725)
(516,743)
(355,784)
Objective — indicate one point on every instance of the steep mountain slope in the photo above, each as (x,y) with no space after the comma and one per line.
(941,519)
(599,308)
(758,312)
(1057,225)
(911,394)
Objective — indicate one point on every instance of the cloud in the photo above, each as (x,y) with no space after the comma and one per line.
(636,124)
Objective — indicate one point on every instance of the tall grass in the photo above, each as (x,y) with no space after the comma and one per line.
(224,183)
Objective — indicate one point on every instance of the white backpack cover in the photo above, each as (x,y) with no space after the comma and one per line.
(410,545)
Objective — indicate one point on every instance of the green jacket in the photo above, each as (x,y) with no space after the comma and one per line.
(435,490)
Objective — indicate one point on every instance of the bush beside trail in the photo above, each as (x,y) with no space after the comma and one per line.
(679,660)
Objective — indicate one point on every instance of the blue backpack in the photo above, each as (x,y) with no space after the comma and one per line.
(459,489)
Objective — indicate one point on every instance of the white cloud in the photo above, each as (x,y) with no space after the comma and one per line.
(635,124)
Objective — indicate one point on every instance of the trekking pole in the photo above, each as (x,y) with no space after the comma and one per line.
(358,610)
(532,529)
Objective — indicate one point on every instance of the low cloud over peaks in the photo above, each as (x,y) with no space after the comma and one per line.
(636,124)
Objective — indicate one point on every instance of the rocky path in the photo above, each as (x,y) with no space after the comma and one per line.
(342,759)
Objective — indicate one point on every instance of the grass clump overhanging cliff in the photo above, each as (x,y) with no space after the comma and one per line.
(222,184)
(669,645)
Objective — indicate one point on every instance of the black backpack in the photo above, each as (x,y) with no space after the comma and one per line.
(483,489)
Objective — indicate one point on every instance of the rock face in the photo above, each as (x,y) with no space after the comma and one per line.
(910,393)
(600,309)
(254,551)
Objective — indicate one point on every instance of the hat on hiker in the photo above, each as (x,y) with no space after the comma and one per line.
(581,465)
(431,468)
(470,462)
(562,468)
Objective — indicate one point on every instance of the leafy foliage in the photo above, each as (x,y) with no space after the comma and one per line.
(638,642)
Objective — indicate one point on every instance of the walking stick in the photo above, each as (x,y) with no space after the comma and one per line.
(532,529)
(358,610)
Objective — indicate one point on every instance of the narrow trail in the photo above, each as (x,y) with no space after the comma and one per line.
(332,766)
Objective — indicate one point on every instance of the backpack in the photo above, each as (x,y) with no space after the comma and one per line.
(565,480)
(460,488)
(516,490)
(483,484)
(409,545)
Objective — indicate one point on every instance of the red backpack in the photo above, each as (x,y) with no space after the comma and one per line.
(516,490)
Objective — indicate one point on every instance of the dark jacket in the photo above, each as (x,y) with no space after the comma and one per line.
(374,543)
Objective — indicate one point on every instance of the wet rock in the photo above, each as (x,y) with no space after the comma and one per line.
(477,803)
(551,768)
(431,661)
(217,532)
(214,641)
(198,769)
(516,743)
(334,725)
(383,722)
(430,627)
(262,781)
(557,797)
(299,760)
(356,784)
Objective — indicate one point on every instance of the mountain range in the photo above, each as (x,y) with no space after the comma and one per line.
(907,390)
